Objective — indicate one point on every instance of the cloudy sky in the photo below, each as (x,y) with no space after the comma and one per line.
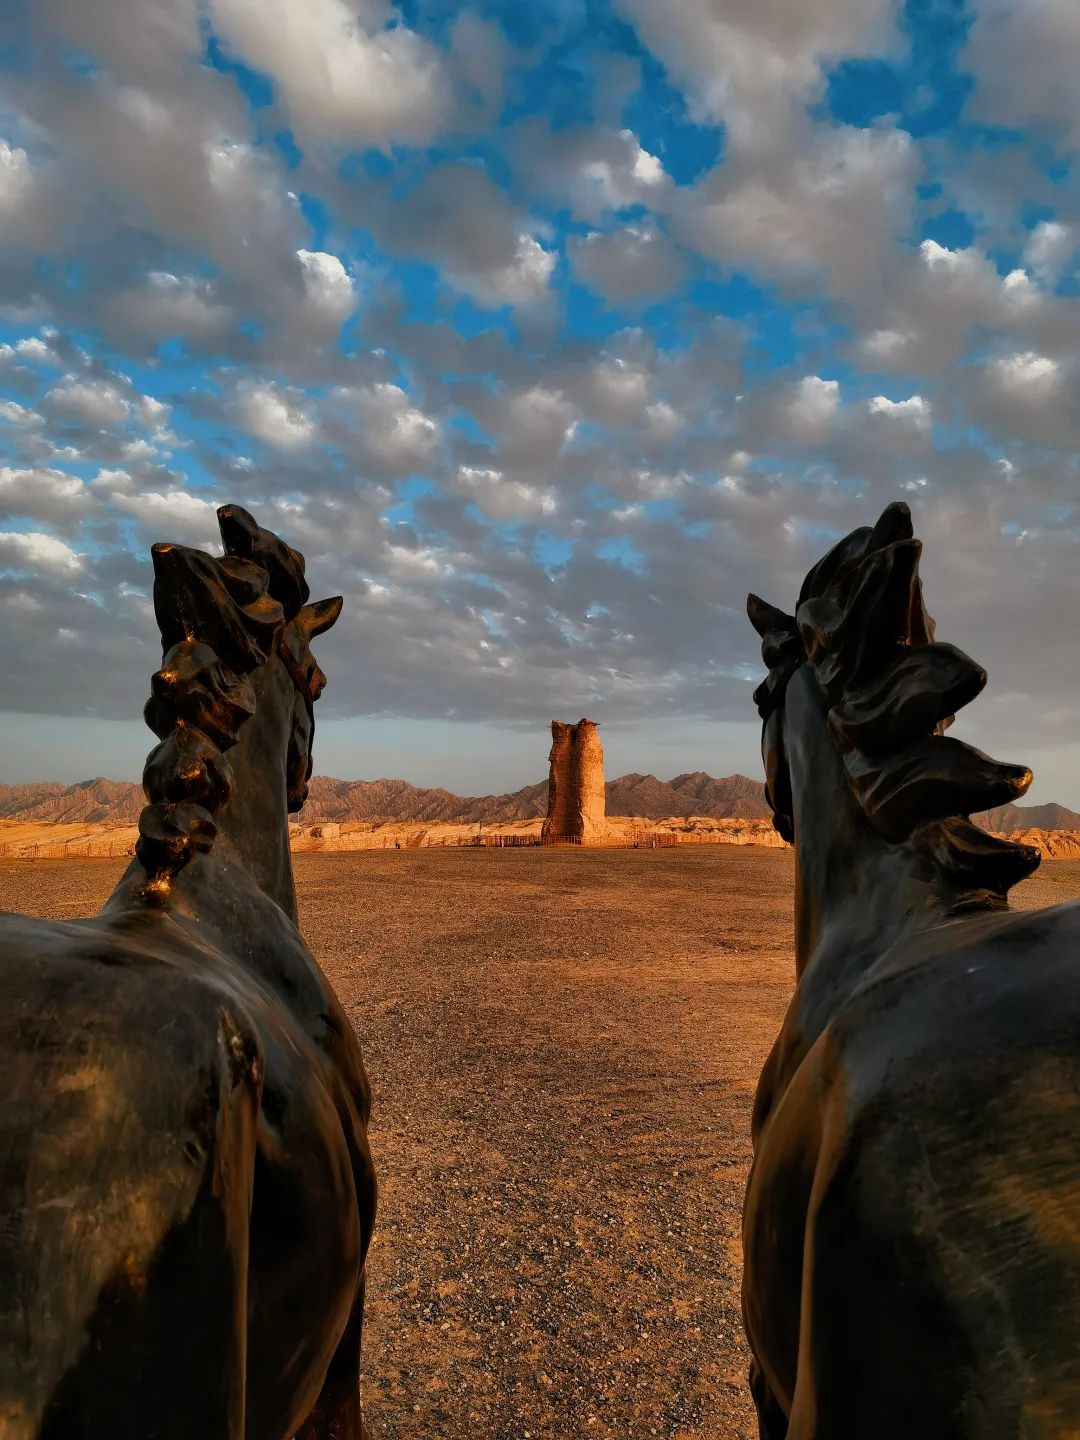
(546,331)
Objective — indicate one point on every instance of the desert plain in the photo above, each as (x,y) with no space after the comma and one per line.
(564,1045)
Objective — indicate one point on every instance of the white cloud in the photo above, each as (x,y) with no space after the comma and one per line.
(175,514)
(1050,245)
(94,402)
(43,494)
(15,414)
(627,264)
(31,349)
(754,66)
(500,498)
(659,486)
(1029,375)
(274,414)
(938,297)
(829,210)
(1025,59)
(16,185)
(593,171)
(620,390)
(34,551)
(1027,396)
(130,37)
(166,305)
(814,405)
(646,167)
(524,280)
(630,176)
(886,345)
(458,219)
(345,74)
(410,564)
(392,428)
(913,411)
(536,424)
(328,285)
(173,162)
(152,413)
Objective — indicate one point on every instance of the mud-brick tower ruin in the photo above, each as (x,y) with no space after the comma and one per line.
(575,785)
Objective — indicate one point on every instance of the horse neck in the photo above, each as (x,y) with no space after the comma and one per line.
(856,895)
(253,827)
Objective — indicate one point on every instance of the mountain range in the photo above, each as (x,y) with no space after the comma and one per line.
(119,802)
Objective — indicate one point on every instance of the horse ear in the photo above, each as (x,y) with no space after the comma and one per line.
(316,618)
(767,619)
(894,523)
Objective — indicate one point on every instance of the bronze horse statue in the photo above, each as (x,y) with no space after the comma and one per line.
(911,1228)
(186,1190)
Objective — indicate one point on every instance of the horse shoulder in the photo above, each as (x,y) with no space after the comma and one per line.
(949,1210)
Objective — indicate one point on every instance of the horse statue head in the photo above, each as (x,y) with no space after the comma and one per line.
(862,641)
(236,634)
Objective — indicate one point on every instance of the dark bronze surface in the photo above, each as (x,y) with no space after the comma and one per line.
(187,1191)
(911,1227)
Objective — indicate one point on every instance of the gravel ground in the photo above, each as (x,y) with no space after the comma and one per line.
(564,1046)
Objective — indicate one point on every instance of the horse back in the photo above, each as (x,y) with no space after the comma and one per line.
(941,1282)
(130,1101)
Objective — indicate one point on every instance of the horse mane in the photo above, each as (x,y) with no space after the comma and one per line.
(220,620)
(892,689)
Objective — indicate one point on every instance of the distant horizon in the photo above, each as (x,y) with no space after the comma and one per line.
(545,352)
(476,759)
(1036,796)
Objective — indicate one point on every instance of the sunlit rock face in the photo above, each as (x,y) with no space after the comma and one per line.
(576,806)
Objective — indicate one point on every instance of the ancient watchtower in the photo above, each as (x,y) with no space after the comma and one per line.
(575,785)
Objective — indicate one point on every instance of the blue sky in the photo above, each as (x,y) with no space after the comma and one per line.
(546,333)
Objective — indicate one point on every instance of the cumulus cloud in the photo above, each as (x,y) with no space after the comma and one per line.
(176,514)
(633,263)
(163,305)
(812,407)
(328,285)
(1048,248)
(17,188)
(937,298)
(912,411)
(274,414)
(96,402)
(35,551)
(501,498)
(43,494)
(390,429)
(828,211)
(523,280)
(152,37)
(1027,395)
(596,172)
(458,219)
(533,425)
(348,73)
(755,66)
(1025,60)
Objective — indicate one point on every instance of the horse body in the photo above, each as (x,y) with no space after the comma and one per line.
(912,1219)
(913,1258)
(187,1191)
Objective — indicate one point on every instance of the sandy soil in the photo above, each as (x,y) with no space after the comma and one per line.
(564,1046)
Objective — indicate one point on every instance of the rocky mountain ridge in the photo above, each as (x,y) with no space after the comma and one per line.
(349,801)
(118,802)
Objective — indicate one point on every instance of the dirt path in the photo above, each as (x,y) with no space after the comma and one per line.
(564,1046)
